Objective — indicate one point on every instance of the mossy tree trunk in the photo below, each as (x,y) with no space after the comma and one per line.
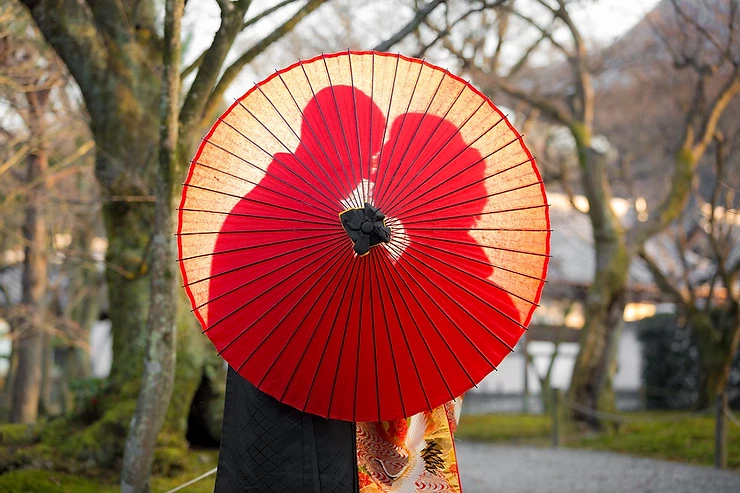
(606,298)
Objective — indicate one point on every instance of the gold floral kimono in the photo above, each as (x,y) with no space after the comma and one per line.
(411,455)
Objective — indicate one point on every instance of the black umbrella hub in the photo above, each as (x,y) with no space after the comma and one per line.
(366,227)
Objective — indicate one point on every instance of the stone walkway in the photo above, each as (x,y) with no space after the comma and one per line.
(506,469)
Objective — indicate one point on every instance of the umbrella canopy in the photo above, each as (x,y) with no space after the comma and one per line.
(363,236)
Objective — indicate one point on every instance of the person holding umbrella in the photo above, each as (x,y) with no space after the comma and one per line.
(363,237)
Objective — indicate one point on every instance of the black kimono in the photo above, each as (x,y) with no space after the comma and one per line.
(269,447)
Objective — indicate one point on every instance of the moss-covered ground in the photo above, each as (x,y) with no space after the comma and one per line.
(668,436)
(35,480)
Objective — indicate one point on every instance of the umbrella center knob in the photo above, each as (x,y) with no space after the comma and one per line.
(367,227)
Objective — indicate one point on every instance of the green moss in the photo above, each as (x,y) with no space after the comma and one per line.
(510,428)
(18,434)
(657,435)
(101,441)
(169,461)
(40,481)
(196,462)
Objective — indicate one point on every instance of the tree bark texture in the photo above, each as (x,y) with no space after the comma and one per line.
(30,344)
(606,298)
(159,363)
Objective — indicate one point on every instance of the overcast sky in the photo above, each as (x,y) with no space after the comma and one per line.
(601,21)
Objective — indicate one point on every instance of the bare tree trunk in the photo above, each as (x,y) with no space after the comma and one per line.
(47,406)
(159,367)
(605,302)
(30,343)
(718,344)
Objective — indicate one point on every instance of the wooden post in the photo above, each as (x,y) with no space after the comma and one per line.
(525,352)
(720,432)
(555,413)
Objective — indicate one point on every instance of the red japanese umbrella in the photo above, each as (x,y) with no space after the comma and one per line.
(363,236)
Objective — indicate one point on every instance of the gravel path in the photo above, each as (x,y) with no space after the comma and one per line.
(490,468)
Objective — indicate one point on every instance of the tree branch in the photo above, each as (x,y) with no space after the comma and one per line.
(193,66)
(495,82)
(409,28)
(717,109)
(544,32)
(686,161)
(232,15)
(267,12)
(714,230)
(724,52)
(67,28)
(665,284)
(441,33)
(233,71)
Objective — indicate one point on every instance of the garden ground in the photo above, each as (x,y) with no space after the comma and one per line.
(487,443)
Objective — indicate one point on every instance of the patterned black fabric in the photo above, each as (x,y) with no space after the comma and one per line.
(268,447)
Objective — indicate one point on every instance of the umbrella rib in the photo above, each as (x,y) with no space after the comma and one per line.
(391,179)
(511,349)
(475,260)
(203,165)
(359,338)
(280,322)
(273,307)
(474,199)
(404,205)
(530,160)
(387,117)
(523,252)
(375,339)
(347,265)
(447,316)
(274,157)
(328,132)
(265,171)
(328,338)
(305,166)
(309,151)
(484,213)
(241,267)
(249,231)
(434,326)
(441,147)
(526,230)
(250,247)
(254,216)
(382,180)
(247,199)
(334,249)
(442,119)
(357,123)
(355,192)
(341,345)
(376,271)
(421,336)
(438,169)
(237,288)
